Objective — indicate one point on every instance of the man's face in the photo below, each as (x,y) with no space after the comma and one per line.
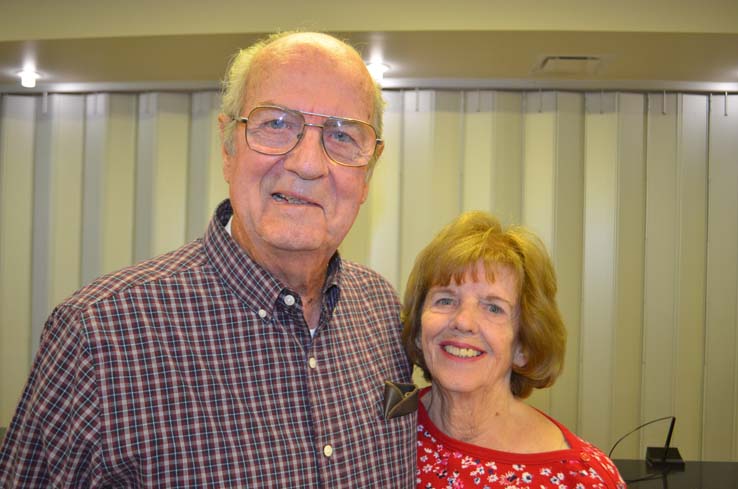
(300,201)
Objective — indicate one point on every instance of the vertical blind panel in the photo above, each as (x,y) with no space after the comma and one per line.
(598,294)
(551,182)
(690,299)
(67,143)
(16,216)
(566,249)
(92,184)
(119,177)
(170,172)
(41,268)
(206,186)
(630,209)
(507,147)
(144,184)
(431,176)
(161,186)
(478,164)
(492,156)
(539,156)
(646,251)
(719,436)
(375,237)
(662,264)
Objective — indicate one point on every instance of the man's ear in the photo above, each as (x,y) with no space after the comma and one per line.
(228,162)
(365,191)
(378,151)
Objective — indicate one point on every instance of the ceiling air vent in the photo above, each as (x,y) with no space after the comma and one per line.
(568,65)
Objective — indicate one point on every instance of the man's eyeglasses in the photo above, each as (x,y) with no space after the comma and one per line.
(273,130)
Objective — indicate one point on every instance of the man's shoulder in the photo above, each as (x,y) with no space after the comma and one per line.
(359,272)
(362,278)
(161,268)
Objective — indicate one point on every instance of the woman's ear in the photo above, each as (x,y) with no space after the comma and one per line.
(520,359)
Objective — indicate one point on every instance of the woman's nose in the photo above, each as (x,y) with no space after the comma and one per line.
(465,319)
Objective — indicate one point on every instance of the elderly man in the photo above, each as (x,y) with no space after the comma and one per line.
(254,357)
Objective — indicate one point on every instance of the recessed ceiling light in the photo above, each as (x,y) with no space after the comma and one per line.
(28,78)
(377,70)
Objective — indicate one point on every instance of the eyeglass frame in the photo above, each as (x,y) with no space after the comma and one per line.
(378,142)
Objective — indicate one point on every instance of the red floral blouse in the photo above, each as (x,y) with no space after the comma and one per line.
(444,462)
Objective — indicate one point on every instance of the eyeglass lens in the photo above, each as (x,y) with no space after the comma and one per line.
(272,130)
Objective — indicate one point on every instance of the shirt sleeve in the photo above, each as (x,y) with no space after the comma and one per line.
(53,440)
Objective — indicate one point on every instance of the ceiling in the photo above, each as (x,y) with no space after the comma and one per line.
(687,45)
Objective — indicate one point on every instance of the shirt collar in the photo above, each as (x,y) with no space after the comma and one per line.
(253,284)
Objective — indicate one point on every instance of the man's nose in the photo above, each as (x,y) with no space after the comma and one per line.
(309,159)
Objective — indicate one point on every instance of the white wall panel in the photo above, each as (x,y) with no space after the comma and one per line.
(161,182)
(492,163)
(551,206)
(119,176)
(206,187)
(109,174)
(646,251)
(57,204)
(720,426)
(17,126)
(93,186)
(567,247)
(674,268)
(613,257)
(539,164)
(478,164)
(598,294)
(430,183)
(630,256)
(662,264)
(66,195)
(692,248)
(375,237)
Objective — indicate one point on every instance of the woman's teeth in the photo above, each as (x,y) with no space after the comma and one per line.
(461,352)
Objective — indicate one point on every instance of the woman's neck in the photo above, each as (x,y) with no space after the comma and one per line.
(470,416)
(493,419)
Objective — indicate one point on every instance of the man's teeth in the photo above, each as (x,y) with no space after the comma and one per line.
(285,198)
(461,352)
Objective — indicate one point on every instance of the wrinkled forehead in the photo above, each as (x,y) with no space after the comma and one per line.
(308,58)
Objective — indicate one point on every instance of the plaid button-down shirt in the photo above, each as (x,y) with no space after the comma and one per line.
(197,369)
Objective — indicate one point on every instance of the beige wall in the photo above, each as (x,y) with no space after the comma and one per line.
(615,183)
(23,20)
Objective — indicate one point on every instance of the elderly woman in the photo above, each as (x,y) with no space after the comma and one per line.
(481,321)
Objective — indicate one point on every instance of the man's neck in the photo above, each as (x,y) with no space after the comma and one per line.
(302,272)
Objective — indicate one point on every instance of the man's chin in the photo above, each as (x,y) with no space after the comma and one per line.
(295,241)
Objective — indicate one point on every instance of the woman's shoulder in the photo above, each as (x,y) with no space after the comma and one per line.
(581,450)
(445,459)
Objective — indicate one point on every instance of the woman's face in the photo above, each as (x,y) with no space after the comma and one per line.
(469,332)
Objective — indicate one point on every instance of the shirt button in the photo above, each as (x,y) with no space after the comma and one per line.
(312,362)
(327,450)
(584,456)
(289,300)
(262,313)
